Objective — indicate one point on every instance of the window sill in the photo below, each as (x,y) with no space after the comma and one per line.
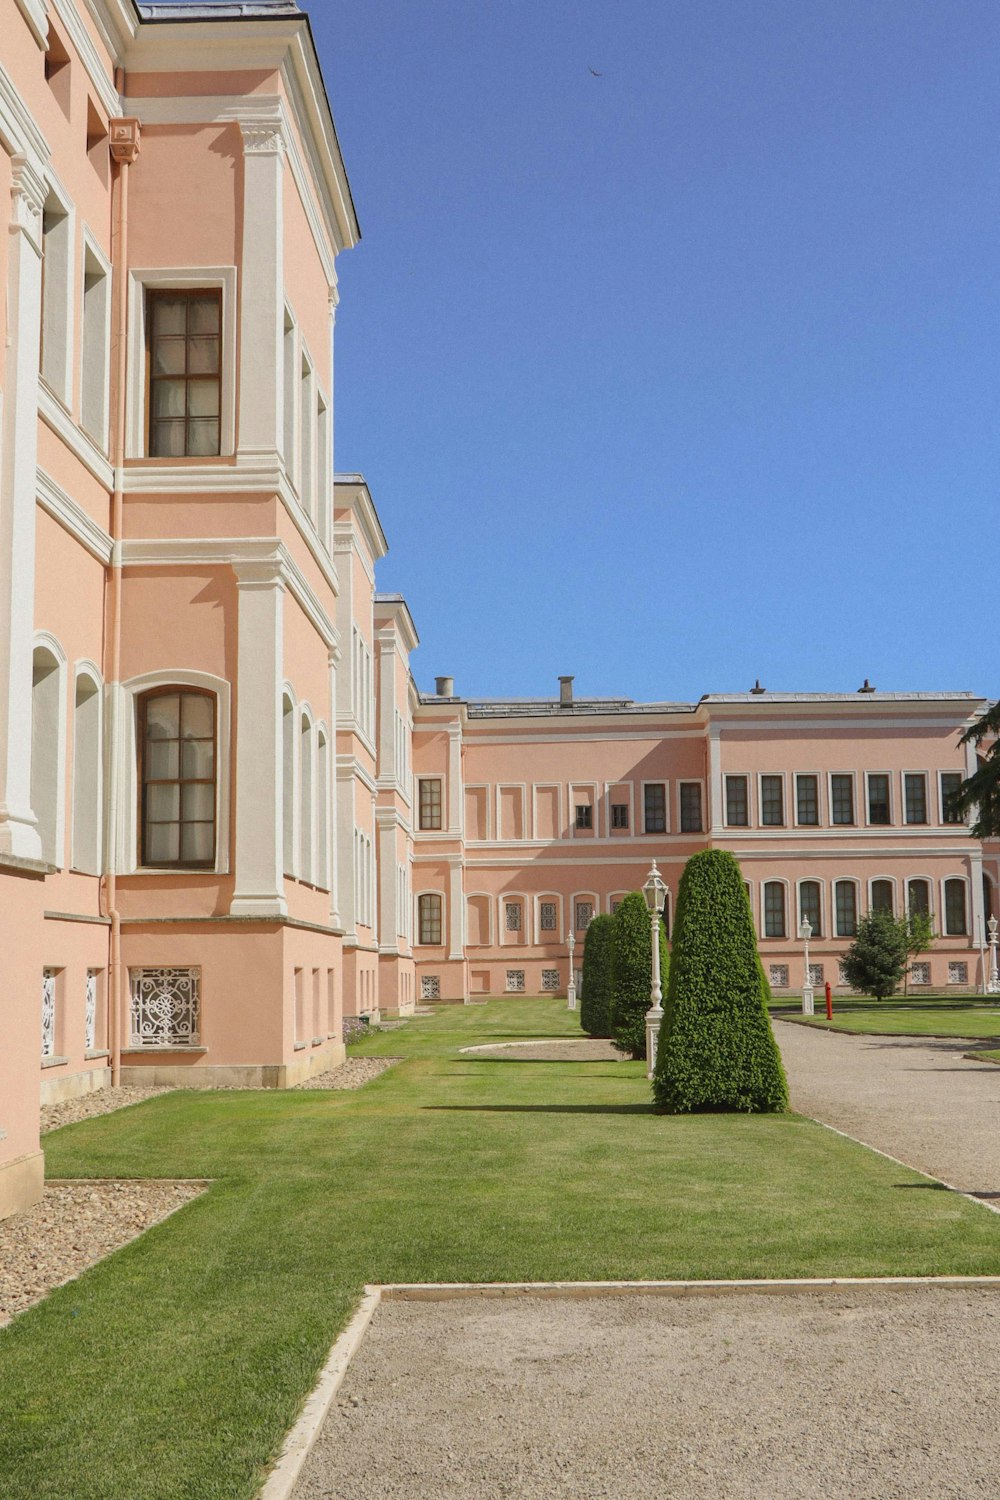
(318,1041)
(159,1051)
(93,1056)
(54,1062)
(299,1046)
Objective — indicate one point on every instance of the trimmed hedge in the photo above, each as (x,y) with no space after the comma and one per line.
(595,996)
(716,1048)
(632,974)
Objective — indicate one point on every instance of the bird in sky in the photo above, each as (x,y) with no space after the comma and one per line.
(594,73)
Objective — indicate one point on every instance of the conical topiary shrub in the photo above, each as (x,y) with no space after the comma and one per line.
(595,999)
(716,1048)
(632,967)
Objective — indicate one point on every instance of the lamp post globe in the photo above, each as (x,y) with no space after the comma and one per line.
(655,894)
(805,933)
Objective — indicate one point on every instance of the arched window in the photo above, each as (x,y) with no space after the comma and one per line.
(846,897)
(774,909)
(47,749)
(177,770)
(87,776)
(882,896)
(429,918)
(955,920)
(918,898)
(288,782)
(306,871)
(810,908)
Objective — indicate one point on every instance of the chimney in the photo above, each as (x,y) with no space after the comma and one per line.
(444,687)
(866,688)
(757,687)
(565,692)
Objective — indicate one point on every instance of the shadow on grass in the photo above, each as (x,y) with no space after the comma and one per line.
(542,1109)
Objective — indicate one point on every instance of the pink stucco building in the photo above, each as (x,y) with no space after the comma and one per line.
(228,819)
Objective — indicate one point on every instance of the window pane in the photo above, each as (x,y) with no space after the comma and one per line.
(847,909)
(203,357)
(167,440)
(878,799)
(619,814)
(163,803)
(916,798)
(950,783)
(774,909)
(807,795)
(163,716)
(690,807)
(197,843)
(842,797)
(169,312)
(203,314)
(882,896)
(736,801)
(197,716)
(772,802)
(198,802)
(161,760)
(809,908)
(954,908)
(162,843)
(203,398)
(197,760)
(655,808)
(168,398)
(203,438)
(919,898)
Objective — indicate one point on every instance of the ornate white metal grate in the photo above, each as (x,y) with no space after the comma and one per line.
(90,1011)
(584,915)
(430,987)
(513,916)
(515,981)
(166,1007)
(547,916)
(779,976)
(816,974)
(958,973)
(920,973)
(550,979)
(48,1012)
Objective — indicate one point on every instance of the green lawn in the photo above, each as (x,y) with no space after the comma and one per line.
(173,1370)
(964,1016)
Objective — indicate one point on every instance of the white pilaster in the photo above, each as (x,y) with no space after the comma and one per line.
(978,931)
(385,645)
(333,832)
(455,792)
(388,887)
(715,779)
(346,892)
(18,829)
(456,911)
(260,885)
(262,292)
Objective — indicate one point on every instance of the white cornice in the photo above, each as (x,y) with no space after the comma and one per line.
(59,420)
(349,768)
(17,128)
(152,552)
(73,518)
(35,12)
(351,492)
(98,69)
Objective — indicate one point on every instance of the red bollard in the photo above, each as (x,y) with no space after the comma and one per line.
(829,1002)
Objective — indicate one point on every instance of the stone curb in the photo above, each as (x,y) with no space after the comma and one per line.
(299,1443)
(992,1208)
(538,1041)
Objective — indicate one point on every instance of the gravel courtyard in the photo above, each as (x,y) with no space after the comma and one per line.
(841,1395)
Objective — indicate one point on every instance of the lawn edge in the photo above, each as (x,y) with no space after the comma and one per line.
(819,1024)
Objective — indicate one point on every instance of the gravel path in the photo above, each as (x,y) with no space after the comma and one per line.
(922,1101)
(350,1074)
(75,1225)
(845,1395)
(100,1102)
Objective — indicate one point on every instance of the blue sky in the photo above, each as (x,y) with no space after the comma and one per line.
(686,374)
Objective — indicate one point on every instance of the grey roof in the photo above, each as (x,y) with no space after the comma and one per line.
(524,708)
(859,697)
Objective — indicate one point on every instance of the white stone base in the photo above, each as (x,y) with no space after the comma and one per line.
(21,1183)
(74,1085)
(234,1075)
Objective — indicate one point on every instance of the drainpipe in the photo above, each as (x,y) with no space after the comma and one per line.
(124,143)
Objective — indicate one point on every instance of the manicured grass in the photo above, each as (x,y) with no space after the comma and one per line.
(957,1018)
(175,1367)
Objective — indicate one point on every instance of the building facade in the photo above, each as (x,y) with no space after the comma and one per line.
(228,820)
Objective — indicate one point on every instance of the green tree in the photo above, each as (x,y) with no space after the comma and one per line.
(595,997)
(919,937)
(632,969)
(981,790)
(716,1048)
(876,960)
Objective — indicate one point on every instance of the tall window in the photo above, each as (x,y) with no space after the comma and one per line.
(882,896)
(774,909)
(430,802)
(185,373)
(807,800)
(951,781)
(690,807)
(915,797)
(842,799)
(918,898)
(429,919)
(878,799)
(772,801)
(177,733)
(955,923)
(810,909)
(655,807)
(847,908)
(737,802)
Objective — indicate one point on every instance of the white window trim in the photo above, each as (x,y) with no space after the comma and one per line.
(127,854)
(751,821)
(892,800)
(698,781)
(824,932)
(854,798)
(544,786)
(512,786)
(437,833)
(895,891)
(305,730)
(762,929)
(615,896)
(818,778)
(430,891)
(782,776)
(522,938)
(89,669)
(931,883)
(91,247)
(546,938)
(179,278)
(62,386)
(486,896)
(290,400)
(288,697)
(969,914)
(593,787)
(948,771)
(595,902)
(663,781)
(47,641)
(306,372)
(478,786)
(629,802)
(928,779)
(846,880)
(322,798)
